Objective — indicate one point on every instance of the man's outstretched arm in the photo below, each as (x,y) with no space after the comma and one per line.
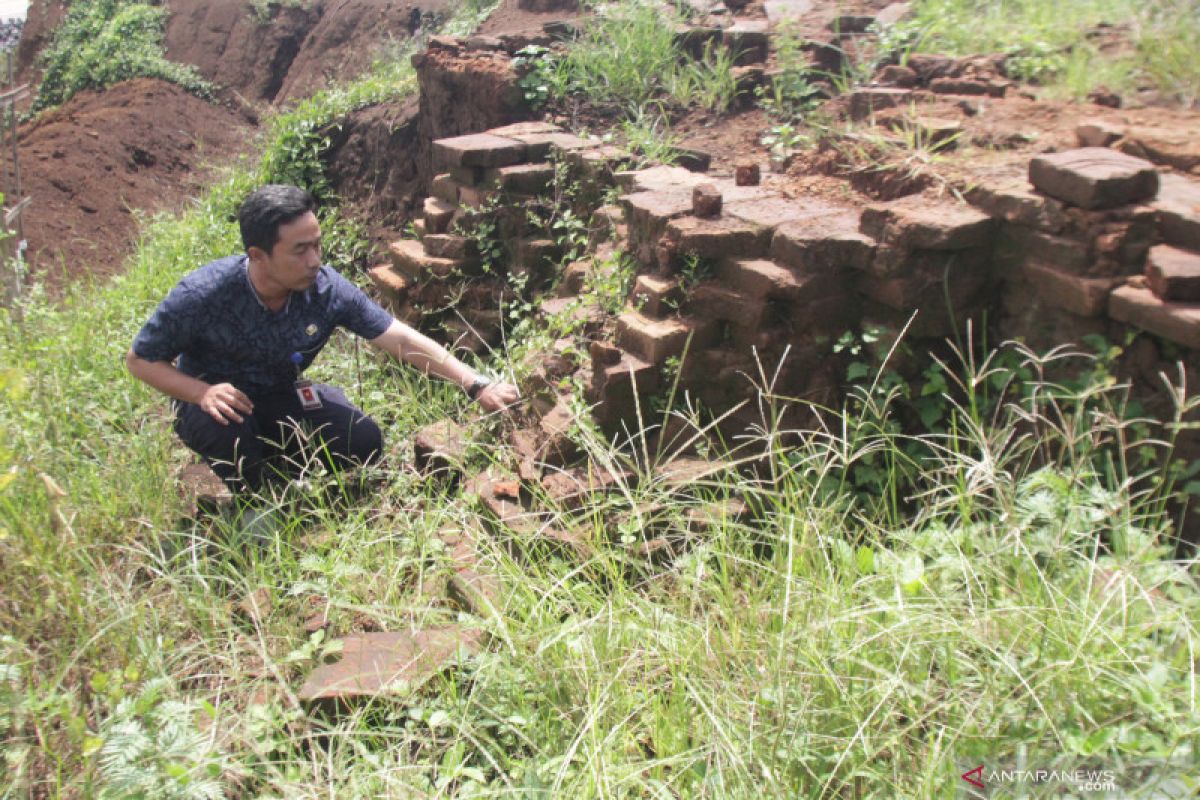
(221,401)
(413,347)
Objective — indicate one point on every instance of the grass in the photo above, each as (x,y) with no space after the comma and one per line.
(103,42)
(1064,45)
(1012,599)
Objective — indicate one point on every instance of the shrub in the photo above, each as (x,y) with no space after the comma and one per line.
(103,42)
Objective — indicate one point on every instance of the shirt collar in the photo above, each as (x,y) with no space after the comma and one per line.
(250,285)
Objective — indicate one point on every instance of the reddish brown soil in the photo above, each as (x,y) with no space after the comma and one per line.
(508,18)
(144,145)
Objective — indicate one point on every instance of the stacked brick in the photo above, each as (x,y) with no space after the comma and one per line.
(437,280)
(1167,303)
(1072,228)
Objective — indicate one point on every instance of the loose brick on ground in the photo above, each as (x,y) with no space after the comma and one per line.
(385,664)
(1094,177)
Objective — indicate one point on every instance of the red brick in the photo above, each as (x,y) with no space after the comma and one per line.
(649,212)
(386,664)
(447,245)
(1094,177)
(919,223)
(391,284)
(868,100)
(1178,207)
(410,259)
(1176,322)
(1084,297)
(655,296)
(823,243)
(657,340)
(706,201)
(717,238)
(1174,274)
(521,178)
(477,150)
(747,175)
(438,214)
(440,448)
(444,188)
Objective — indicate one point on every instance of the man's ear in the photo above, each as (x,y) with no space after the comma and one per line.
(256,254)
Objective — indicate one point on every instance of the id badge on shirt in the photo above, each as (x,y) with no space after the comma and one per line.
(307,392)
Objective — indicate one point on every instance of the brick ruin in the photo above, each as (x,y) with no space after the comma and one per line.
(734,271)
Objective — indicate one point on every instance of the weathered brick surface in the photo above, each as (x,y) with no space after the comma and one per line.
(438,214)
(440,448)
(649,212)
(1005,193)
(467,176)
(1061,289)
(868,100)
(714,301)
(656,340)
(444,188)
(1097,133)
(747,38)
(391,284)
(1094,177)
(477,150)
(655,296)
(410,259)
(1177,322)
(823,243)
(747,175)
(1178,207)
(1017,244)
(918,223)
(716,238)
(388,663)
(706,201)
(447,245)
(758,277)
(1174,274)
(521,178)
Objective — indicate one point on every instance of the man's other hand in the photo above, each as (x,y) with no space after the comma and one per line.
(498,396)
(223,401)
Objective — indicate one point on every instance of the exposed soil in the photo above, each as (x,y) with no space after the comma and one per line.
(509,18)
(144,145)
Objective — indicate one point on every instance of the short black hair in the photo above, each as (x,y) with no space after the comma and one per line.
(268,207)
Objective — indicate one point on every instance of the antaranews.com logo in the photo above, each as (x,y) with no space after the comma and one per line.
(984,781)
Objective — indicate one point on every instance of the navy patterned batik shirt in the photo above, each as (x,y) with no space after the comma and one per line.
(221,332)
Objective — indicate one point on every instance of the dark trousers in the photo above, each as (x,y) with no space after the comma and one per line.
(280,436)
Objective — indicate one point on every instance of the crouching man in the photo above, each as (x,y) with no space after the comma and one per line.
(231,341)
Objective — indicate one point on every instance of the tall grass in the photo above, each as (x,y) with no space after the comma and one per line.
(1069,46)
(1021,607)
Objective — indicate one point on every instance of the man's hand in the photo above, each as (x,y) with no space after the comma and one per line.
(223,401)
(498,396)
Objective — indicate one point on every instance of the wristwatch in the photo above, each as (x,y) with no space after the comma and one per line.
(477,386)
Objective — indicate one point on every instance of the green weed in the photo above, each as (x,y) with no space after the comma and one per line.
(103,42)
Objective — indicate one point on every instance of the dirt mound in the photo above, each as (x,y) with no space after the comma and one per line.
(297,49)
(88,165)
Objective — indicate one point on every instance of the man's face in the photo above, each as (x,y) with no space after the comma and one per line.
(294,260)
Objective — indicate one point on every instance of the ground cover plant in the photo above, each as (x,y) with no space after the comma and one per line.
(1074,47)
(1024,607)
(103,42)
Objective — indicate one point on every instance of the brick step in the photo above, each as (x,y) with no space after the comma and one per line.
(1177,322)
(410,259)
(1174,273)
(656,340)
(391,284)
(917,222)
(1178,207)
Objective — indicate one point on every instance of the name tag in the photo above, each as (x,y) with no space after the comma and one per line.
(309,399)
